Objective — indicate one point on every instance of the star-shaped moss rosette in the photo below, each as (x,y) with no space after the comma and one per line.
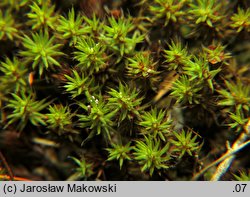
(41,51)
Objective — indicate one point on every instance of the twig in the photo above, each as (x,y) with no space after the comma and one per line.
(15,178)
(11,176)
(223,166)
(226,159)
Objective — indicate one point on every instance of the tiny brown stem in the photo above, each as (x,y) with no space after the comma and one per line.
(7,167)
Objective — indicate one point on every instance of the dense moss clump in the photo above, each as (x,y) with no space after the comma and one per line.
(124,90)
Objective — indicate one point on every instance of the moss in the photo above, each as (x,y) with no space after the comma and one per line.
(152,89)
